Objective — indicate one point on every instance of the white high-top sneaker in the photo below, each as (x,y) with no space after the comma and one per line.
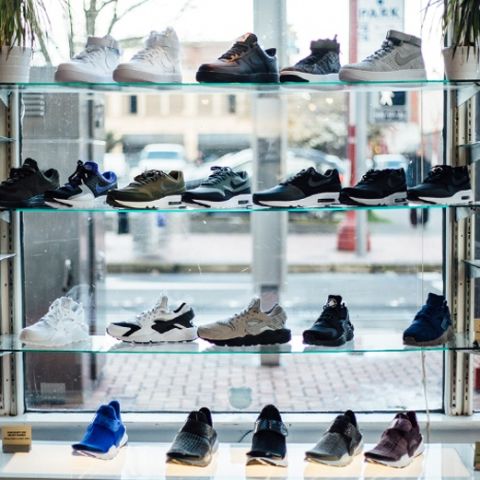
(158,62)
(94,65)
(64,323)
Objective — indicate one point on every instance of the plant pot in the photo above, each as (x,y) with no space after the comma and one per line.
(15,64)
(464,65)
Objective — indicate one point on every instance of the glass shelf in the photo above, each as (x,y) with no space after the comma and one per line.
(228,88)
(331,208)
(377,341)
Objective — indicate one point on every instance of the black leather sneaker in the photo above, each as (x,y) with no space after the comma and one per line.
(339,444)
(269,444)
(322,65)
(333,328)
(25,183)
(377,187)
(443,185)
(244,62)
(196,442)
(308,188)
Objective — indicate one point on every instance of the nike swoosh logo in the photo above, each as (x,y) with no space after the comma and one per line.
(102,190)
(237,185)
(404,60)
(314,184)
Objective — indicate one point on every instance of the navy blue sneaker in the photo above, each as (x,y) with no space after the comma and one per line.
(84,187)
(105,435)
(432,324)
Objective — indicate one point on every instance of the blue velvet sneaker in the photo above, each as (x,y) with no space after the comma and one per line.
(432,324)
(105,435)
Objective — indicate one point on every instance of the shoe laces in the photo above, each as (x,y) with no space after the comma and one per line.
(329,314)
(79,176)
(236,51)
(436,174)
(218,174)
(291,179)
(386,48)
(57,313)
(90,54)
(425,313)
(149,176)
(149,53)
(370,176)
(17,174)
(148,315)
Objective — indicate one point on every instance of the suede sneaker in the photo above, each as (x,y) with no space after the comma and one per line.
(399,444)
(432,324)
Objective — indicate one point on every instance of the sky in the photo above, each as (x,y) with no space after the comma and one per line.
(203,20)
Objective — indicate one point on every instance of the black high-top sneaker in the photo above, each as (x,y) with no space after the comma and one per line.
(443,185)
(244,62)
(308,188)
(377,187)
(322,65)
(333,328)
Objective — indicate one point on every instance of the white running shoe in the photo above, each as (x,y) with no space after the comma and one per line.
(94,65)
(158,62)
(157,324)
(64,323)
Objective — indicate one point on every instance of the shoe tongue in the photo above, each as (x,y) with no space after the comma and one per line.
(435,300)
(197,416)
(155,38)
(31,164)
(107,41)
(92,166)
(107,411)
(254,305)
(334,300)
(270,412)
(163,304)
(324,44)
(249,38)
(340,424)
(401,422)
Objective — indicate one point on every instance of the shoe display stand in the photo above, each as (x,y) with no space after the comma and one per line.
(141,460)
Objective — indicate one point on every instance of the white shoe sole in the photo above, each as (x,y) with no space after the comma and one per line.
(319,199)
(174,335)
(112,452)
(124,75)
(84,202)
(239,201)
(73,75)
(464,196)
(39,343)
(342,462)
(354,75)
(310,77)
(393,199)
(170,201)
(403,462)
(277,462)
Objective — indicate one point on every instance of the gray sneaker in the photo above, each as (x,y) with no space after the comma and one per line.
(250,327)
(399,58)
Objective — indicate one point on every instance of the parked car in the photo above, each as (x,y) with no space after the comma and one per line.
(390,160)
(161,156)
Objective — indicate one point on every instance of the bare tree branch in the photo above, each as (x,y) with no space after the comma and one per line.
(117,17)
(105,3)
(71,32)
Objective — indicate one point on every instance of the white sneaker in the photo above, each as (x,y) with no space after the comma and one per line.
(94,65)
(157,325)
(158,62)
(64,323)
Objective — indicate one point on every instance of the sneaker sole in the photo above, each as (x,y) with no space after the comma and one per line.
(311,337)
(403,462)
(71,75)
(442,339)
(112,452)
(276,462)
(464,196)
(399,198)
(354,75)
(125,75)
(216,77)
(87,201)
(295,76)
(204,462)
(170,201)
(269,337)
(319,199)
(238,201)
(174,335)
(345,460)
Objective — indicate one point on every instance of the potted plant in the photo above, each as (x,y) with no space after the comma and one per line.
(461,22)
(20,26)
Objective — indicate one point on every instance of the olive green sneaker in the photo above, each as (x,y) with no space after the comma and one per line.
(150,189)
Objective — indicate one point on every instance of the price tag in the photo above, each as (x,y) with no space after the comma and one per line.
(16,438)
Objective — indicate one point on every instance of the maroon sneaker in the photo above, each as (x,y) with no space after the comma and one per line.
(399,444)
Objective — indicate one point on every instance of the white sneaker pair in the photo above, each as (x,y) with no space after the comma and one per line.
(158,62)
(64,323)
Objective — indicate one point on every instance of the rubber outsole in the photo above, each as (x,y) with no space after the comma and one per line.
(275,461)
(295,76)
(112,452)
(196,462)
(269,337)
(345,460)
(402,462)
(442,339)
(168,202)
(219,77)
(311,337)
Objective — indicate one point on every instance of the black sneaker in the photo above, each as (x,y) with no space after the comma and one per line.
(377,187)
(339,444)
(333,328)
(443,185)
(322,65)
(308,188)
(196,442)
(25,183)
(269,444)
(244,62)
(224,188)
